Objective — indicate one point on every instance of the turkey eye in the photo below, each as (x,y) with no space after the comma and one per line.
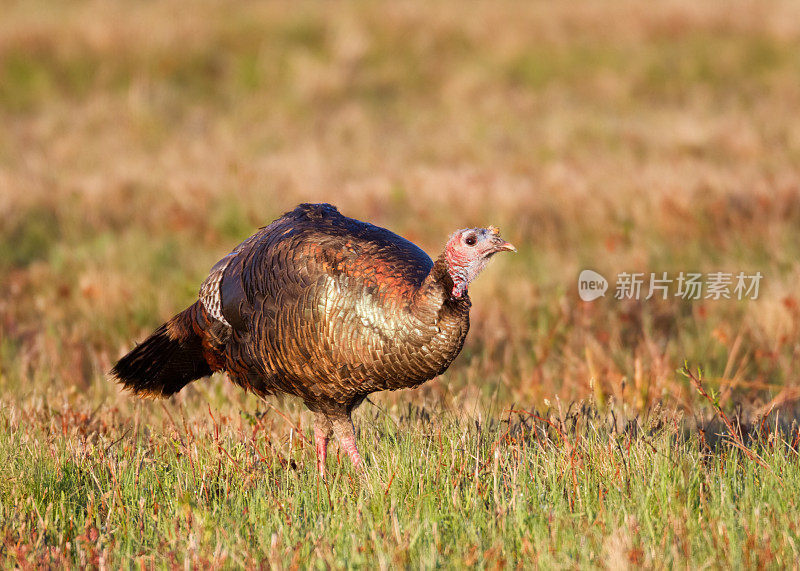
(470,240)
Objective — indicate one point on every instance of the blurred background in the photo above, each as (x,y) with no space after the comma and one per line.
(141,141)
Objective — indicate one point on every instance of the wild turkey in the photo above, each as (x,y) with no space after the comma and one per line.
(323,307)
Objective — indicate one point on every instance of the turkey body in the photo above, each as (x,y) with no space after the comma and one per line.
(324,307)
(331,309)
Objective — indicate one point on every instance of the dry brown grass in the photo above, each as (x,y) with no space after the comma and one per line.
(141,142)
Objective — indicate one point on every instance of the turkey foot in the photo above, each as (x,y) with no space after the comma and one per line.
(343,429)
(322,433)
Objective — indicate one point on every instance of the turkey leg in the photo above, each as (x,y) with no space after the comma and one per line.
(343,429)
(322,433)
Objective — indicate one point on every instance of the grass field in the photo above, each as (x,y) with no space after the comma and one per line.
(139,142)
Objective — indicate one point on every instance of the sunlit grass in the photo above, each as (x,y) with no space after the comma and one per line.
(218,488)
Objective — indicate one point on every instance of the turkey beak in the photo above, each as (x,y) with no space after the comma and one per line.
(500,245)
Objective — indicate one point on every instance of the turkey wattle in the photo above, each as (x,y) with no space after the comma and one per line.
(323,307)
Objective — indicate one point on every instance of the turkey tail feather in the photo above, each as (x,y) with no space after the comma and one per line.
(169,359)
